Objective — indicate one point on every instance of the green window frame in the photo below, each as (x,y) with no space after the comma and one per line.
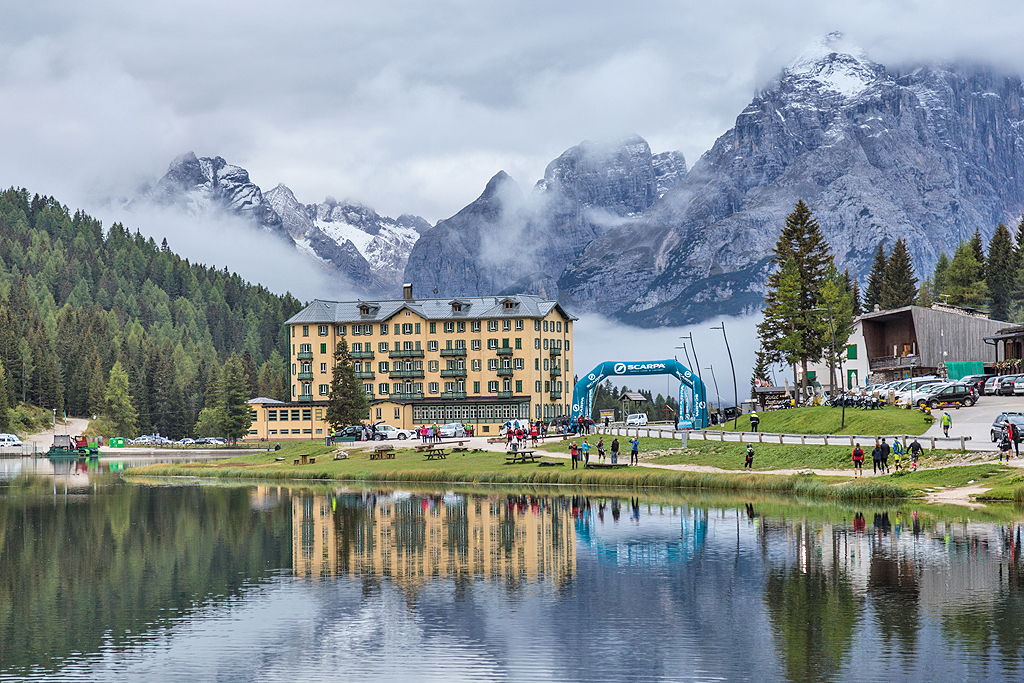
(851,352)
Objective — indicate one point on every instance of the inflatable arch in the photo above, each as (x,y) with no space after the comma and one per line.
(693,405)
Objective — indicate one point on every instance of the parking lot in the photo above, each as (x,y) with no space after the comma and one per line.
(976,421)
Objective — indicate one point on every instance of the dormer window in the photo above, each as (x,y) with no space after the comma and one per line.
(364,310)
(456,308)
(509,305)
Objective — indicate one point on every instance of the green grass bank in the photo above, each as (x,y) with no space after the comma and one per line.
(824,420)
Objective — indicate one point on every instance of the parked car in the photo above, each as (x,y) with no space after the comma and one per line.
(350,432)
(1006,385)
(452,430)
(1000,422)
(911,390)
(9,441)
(1018,385)
(187,441)
(991,385)
(637,420)
(389,432)
(977,381)
(951,394)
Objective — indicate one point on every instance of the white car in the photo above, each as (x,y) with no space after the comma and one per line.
(9,441)
(452,430)
(389,432)
(637,420)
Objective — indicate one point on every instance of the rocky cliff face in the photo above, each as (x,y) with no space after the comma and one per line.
(505,242)
(369,251)
(926,154)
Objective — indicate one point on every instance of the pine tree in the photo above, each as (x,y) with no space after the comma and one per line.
(899,286)
(762,372)
(347,404)
(924,293)
(838,302)
(876,281)
(5,407)
(853,288)
(966,286)
(235,400)
(978,249)
(939,283)
(119,402)
(779,332)
(1001,273)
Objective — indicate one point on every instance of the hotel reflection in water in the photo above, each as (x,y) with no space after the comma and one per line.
(412,538)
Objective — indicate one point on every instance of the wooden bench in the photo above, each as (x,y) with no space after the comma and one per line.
(436,453)
(305,460)
(383,452)
(521,456)
(550,463)
(423,447)
(605,466)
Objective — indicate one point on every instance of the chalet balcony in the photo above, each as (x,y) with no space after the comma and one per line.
(556,372)
(305,376)
(304,355)
(305,398)
(555,352)
(894,362)
(504,372)
(406,353)
(453,394)
(366,355)
(504,351)
(406,397)
(406,374)
(451,353)
(364,375)
(453,373)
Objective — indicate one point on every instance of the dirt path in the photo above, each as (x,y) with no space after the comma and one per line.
(960,495)
(74,427)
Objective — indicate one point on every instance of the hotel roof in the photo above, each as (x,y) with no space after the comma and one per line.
(472,308)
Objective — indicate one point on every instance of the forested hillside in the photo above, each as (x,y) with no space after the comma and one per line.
(74,301)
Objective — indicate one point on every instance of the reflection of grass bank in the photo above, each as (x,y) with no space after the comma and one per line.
(490,468)
(822,420)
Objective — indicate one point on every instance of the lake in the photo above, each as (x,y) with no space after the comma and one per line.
(106,579)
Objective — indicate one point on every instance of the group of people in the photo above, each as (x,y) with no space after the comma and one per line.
(880,457)
(1009,439)
(519,432)
(580,453)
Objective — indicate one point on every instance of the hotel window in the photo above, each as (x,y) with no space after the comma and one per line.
(432,366)
(506,325)
(536,326)
(449,365)
(474,344)
(460,343)
(322,330)
(307,367)
(305,348)
(519,386)
(383,389)
(323,368)
(536,343)
(566,344)
(383,328)
(407,346)
(519,325)
(475,326)
(545,325)
(851,352)
(536,363)
(460,386)
(537,386)
(382,366)
(378,413)
(519,342)
(325,389)
(476,387)
(545,365)
(305,330)
(492,364)
(432,345)
(449,328)
(340,330)
(506,363)
(368,389)
(432,387)
(460,327)
(418,365)
(319,413)
(323,348)
(295,414)
(417,328)
(271,416)
(307,414)
(492,386)
(492,343)
(358,347)
(449,387)
(547,385)
(476,365)
(398,413)
(545,344)
(517,363)
(293,368)
(406,328)
(293,330)
(307,389)
(509,305)
(558,326)
(492,325)
(460,364)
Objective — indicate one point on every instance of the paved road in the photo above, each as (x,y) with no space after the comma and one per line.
(976,421)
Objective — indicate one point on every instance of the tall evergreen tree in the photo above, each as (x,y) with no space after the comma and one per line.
(939,283)
(119,402)
(5,407)
(966,286)
(853,288)
(838,303)
(235,400)
(978,250)
(876,281)
(762,372)
(900,286)
(779,332)
(1001,272)
(347,404)
(924,293)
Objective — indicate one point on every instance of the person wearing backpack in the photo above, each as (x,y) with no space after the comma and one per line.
(615,451)
(897,453)
(876,459)
(858,461)
(749,461)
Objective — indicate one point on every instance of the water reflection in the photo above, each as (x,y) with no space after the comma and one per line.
(199,582)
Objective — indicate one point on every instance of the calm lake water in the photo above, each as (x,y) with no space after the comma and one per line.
(103,580)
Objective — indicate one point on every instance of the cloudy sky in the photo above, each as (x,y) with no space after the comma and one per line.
(412,106)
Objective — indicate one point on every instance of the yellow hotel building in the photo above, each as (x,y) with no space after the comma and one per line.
(409,540)
(475,360)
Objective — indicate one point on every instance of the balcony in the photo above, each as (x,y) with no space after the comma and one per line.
(556,372)
(406,353)
(304,355)
(502,394)
(453,394)
(453,373)
(305,398)
(894,362)
(451,353)
(357,355)
(364,375)
(555,352)
(404,397)
(504,351)
(556,395)
(406,374)
(305,376)
(504,372)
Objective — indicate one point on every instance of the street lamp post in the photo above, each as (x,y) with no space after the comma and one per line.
(735,390)
(717,395)
(695,361)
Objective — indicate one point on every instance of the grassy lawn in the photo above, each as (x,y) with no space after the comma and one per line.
(823,420)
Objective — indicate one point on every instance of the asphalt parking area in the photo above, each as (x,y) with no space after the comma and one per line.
(976,421)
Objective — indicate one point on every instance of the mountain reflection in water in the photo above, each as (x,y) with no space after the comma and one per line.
(157,582)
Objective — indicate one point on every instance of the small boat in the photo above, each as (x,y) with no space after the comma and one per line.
(66,447)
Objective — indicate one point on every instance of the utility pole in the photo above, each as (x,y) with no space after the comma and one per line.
(735,390)
(717,395)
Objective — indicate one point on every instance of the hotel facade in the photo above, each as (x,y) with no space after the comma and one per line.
(475,360)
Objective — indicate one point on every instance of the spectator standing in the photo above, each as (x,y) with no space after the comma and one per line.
(754,421)
(573,453)
(615,451)
(858,461)
(748,463)
(885,456)
(876,458)
(586,453)
(634,451)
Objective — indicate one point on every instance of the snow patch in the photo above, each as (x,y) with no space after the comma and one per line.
(835,66)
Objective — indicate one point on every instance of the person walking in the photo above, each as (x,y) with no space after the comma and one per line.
(915,451)
(600,449)
(634,453)
(534,433)
(585,447)
(615,451)
(885,456)
(754,421)
(749,462)
(1014,431)
(1004,447)
(573,454)
(876,458)
(946,422)
(858,461)
(897,454)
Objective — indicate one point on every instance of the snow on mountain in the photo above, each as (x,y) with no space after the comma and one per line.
(831,65)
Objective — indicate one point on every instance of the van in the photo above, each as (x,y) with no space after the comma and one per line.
(9,441)
(637,420)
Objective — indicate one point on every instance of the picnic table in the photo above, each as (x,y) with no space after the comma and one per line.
(383,452)
(434,453)
(521,456)
(306,460)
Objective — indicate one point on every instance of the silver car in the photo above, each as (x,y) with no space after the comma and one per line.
(452,430)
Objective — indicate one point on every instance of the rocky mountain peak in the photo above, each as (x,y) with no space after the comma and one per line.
(833,65)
